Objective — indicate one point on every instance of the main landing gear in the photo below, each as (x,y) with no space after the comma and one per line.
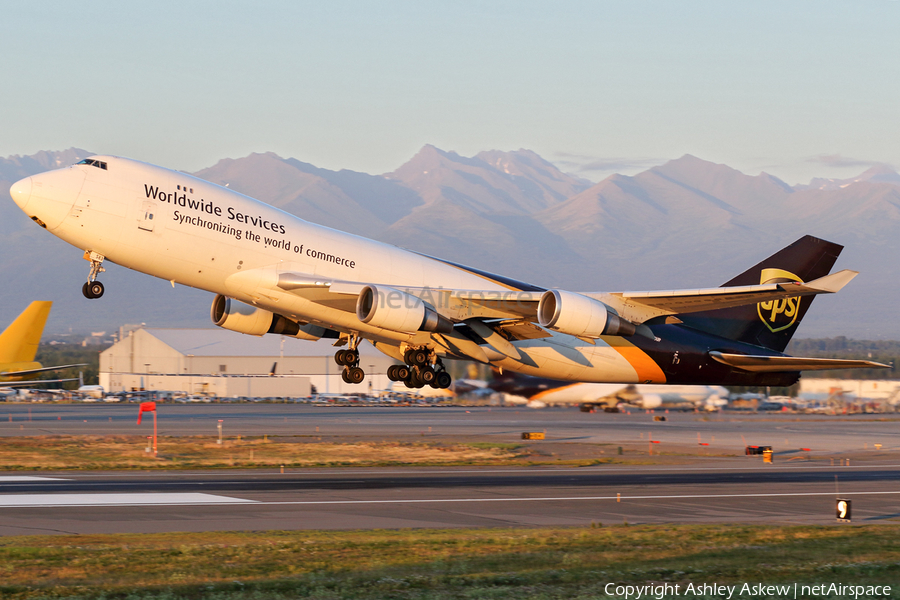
(349,359)
(93,288)
(417,372)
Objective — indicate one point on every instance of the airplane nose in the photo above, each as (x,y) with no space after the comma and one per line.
(21,192)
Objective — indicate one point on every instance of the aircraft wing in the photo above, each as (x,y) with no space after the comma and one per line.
(642,306)
(772,364)
(637,307)
(41,370)
(32,382)
(457,305)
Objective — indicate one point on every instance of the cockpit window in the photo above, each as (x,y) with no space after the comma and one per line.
(93,162)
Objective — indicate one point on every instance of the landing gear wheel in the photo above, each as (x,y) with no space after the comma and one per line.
(419,358)
(443,380)
(415,377)
(427,375)
(392,373)
(355,375)
(339,357)
(351,357)
(92,289)
(402,373)
(345,375)
(416,357)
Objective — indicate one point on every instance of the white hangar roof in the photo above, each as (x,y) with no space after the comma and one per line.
(221,342)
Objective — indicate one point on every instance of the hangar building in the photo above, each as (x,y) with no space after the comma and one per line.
(223,363)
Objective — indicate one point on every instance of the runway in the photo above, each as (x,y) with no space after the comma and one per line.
(699,489)
(442,498)
(726,432)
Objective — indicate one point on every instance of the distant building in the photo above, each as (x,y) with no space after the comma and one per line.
(886,390)
(227,364)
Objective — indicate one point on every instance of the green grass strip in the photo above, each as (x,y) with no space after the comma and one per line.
(437,564)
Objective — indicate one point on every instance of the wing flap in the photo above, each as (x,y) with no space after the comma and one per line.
(774,364)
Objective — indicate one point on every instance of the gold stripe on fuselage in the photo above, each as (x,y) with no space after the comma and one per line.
(646,368)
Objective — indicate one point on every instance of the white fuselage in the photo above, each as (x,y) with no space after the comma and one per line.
(642,396)
(180,228)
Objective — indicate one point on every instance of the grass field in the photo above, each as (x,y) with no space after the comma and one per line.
(412,564)
(129,452)
(186,452)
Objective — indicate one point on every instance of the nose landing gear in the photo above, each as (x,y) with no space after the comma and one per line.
(93,288)
(418,373)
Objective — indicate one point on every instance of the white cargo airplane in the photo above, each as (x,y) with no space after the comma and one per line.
(273,272)
(539,392)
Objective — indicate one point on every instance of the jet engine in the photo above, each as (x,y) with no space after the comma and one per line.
(243,318)
(391,309)
(578,315)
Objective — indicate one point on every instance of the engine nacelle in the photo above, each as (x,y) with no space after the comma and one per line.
(578,315)
(391,309)
(243,318)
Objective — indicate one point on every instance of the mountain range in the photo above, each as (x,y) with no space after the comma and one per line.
(684,224)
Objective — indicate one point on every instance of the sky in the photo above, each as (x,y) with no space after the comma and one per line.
(797,89)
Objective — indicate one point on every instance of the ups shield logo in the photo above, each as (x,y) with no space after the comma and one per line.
(778,315)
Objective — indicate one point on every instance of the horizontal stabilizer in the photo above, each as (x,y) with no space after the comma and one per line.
(777,364)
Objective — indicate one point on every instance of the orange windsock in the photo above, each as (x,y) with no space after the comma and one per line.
(146,407)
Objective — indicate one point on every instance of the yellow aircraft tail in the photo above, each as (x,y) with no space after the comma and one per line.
(19,342)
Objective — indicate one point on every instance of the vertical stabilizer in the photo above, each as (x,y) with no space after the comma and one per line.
(19,342)
(771,324)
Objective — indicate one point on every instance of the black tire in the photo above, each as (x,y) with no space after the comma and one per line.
(414,379)
(345,375)
(96,289)
(351,357)
(86,291)
(443,380)
(402,373)
(339,357)
(355,375)
(420,357)
(392,372)
(407,356)
(427,375)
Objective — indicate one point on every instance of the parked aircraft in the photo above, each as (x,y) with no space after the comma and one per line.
(90,391)
(19,344)
(273,272)
(538,392)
